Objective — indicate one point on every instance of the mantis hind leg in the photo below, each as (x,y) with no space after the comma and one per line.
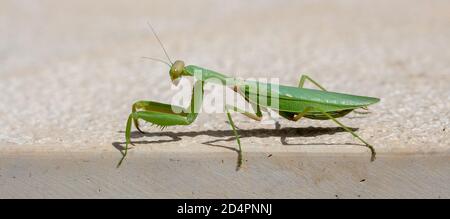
(294,116)
(372,150)
(303,78)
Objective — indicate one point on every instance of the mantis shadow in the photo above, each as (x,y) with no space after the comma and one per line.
(228,135)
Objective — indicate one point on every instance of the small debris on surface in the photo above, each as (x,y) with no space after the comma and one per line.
(363,180)
(443,129)
(270,155)
(337,196)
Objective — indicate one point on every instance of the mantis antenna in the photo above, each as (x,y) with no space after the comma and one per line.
(160,43)
(156,59)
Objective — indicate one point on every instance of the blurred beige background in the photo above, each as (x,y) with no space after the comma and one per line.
(70,71)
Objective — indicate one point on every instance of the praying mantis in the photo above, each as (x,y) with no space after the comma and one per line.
(293,103)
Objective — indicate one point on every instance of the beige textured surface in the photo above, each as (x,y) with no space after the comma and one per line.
(69,72)
(187,175)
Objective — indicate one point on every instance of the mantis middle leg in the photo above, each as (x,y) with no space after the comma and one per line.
(239,164)
(243,112)
(230,120)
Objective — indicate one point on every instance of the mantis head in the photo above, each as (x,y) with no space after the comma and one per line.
(176,71)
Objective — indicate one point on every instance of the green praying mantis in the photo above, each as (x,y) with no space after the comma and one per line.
(293,103)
